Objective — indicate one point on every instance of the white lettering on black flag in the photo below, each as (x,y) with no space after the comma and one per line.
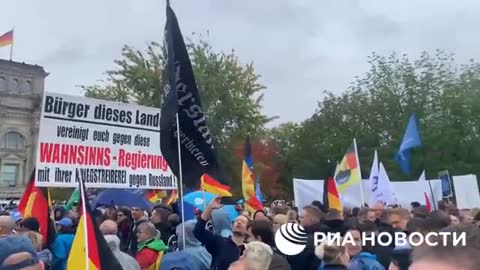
(105,144)
(181,96)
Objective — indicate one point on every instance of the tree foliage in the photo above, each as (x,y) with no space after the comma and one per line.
(230,91)
(375,110)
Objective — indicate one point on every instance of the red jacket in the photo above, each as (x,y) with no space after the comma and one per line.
(146,258)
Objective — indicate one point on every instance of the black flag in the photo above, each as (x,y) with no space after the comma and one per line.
(181,96)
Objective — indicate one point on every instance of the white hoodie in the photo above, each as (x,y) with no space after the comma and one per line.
(127,261)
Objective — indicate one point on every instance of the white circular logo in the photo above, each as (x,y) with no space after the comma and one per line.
(198,201)
(291,239)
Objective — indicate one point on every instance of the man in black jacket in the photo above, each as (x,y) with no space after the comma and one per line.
(310,219)
(224,250)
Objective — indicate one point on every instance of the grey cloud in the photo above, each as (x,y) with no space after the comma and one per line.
(300,47)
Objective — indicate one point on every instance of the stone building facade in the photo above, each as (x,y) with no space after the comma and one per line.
(21,92)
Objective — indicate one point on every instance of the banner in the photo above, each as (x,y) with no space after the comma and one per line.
(105,144)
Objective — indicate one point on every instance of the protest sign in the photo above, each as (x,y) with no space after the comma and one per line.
(106,144)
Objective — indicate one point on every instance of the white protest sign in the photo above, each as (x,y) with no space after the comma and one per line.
(106,144)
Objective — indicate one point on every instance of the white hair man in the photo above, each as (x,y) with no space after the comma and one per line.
(109,230)
(257,256)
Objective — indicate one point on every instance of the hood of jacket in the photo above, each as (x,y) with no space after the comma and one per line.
(153,244)
(113,242)
(222,224)
(190,240)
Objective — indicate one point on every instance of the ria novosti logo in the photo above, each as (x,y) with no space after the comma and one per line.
(291,239)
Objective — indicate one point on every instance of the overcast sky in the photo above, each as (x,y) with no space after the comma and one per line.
(300,47)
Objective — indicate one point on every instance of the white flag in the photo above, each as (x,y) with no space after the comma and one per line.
(422,177)
(373,180)
(384,190)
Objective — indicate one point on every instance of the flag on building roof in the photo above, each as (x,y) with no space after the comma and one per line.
(411,139)
(6,39)
(348,171)
(89,249)
(211,185)
(252,203)
(35,202)
(181,97)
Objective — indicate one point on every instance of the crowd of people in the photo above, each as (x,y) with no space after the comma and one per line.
(156,239)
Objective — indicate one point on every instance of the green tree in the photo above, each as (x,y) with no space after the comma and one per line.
(375,110)
(230,91)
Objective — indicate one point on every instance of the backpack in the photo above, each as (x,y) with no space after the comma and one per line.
(177,261)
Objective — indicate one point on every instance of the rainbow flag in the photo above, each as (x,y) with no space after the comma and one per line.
(252,203)
(6,39)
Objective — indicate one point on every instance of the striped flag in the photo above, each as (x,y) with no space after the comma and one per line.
(89,249)
(211,185)
(6,39)
(348,171)
(252,203)
(331,198)
(35,202)
(173,197)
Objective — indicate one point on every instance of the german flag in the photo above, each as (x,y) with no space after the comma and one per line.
(89,249)
(173,197)
(35,202)
(152,196)
(252,203)
(331,198)
(348,171)
(6,39)
(211,185)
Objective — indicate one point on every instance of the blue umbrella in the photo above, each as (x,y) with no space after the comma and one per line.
(121,198)
(196,199)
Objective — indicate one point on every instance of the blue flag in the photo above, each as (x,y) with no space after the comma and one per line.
(411,139)
(257,191)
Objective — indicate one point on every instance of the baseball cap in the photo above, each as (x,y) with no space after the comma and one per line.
(10,245)
(65,222)
(16,216)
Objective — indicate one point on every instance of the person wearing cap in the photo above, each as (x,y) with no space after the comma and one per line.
(62,244)
(17,218)
(18,252)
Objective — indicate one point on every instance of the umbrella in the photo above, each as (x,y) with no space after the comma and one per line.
(196,200)
(121,198)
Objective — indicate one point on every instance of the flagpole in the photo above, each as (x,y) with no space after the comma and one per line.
(180,174)
(431,192)
(84,213)
(13,42)
(359,171)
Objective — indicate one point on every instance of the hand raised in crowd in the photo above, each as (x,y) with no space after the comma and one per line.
(214,204)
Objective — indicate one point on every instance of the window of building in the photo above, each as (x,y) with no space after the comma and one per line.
(14,85)
(13,141)
(9,174)
(3,84)
(26,87)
